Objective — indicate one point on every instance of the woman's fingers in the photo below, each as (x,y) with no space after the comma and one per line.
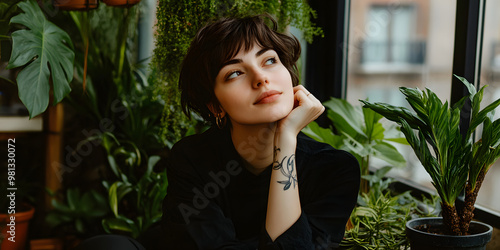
(307,109)
(301,88)
(301,94)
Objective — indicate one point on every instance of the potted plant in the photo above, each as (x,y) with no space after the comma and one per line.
(454,160)
(14,226)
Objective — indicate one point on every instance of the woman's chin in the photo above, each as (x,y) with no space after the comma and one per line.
(271,115)
(281,114)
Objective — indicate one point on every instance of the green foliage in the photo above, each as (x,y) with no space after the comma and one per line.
(126,113)
(296,13)
(118,88)
(486,151)
(178,22)
(135,193)
(360,132)
(433,130)
(8,8)
(79,211)
(45,51)
(144,198)
(119,93)
(379,219)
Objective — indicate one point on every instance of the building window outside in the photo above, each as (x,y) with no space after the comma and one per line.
(392,39)
(400,43)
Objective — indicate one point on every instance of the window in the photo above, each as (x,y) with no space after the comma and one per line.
(399,43)
(490,75)
(391,39)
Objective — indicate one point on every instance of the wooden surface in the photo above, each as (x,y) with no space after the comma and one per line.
(53,157)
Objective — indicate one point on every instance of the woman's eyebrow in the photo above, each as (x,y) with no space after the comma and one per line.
(262,51)
(232,61)
(236,60)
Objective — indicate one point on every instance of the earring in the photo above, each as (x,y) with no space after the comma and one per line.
(220,121)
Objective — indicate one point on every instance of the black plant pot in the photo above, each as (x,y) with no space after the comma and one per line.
(422,240)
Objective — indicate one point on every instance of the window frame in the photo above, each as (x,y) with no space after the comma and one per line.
(326,67)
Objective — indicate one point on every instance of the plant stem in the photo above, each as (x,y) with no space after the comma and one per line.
(450,218)
(85,61)
(363,185)
(470,198)
(123,43)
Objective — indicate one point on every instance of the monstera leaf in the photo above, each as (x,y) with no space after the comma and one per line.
(45,51)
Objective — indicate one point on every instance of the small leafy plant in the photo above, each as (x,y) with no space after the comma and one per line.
(79,212)
(454,161)
(380,217)
(360,132)
(143,197)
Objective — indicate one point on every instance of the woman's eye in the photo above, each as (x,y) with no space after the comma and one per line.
(270,61)
(233,74)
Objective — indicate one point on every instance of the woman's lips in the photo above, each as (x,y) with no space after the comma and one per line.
(268,97)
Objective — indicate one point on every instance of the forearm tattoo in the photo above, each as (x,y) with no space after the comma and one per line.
(286,166)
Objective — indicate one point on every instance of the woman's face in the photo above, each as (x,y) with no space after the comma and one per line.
(254,87)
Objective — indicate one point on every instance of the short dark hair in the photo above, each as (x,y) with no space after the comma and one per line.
(220,41)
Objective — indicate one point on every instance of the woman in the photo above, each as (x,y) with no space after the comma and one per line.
(253,180)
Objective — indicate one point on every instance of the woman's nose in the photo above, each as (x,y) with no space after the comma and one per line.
(260,78)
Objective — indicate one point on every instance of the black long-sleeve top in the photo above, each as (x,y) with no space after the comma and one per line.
(214,202)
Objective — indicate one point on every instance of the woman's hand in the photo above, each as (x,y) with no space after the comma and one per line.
(306,109)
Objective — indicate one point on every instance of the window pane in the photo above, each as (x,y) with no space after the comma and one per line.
(400,43)
(490,75)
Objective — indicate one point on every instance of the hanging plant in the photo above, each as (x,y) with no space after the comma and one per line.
(83,5)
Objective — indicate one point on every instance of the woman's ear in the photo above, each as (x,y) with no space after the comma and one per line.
(216,109)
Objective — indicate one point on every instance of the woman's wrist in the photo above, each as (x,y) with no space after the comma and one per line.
(285,136)
(286,144)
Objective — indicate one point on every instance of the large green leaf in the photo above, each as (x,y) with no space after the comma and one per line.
(325,135)
(388,153)
(347,118)
(374,129)
(116,193)
(73,195)
(46,51)
(117,224)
